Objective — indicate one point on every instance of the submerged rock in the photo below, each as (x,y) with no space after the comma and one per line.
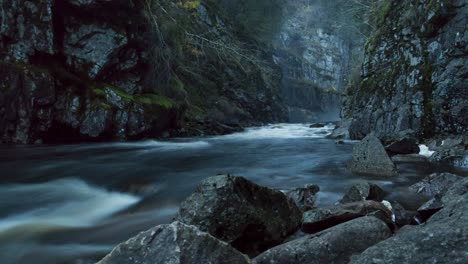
(175,243)
(334,245)
(304,197)
(363,191)
(249,217)
(322,218)
(370,157)
(443,239)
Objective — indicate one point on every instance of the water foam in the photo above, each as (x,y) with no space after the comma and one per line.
(61,203)
(284,131)
(424,150)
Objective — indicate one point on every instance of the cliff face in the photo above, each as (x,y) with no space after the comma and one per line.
(414,76)
(76,70)
(315,64)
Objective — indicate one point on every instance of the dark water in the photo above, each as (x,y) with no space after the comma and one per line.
(72,204)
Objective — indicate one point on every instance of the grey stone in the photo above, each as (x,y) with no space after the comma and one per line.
(341,131)
(370,157)
(334,245)
(249,217)
(363,191)
(442,239)
(304,197)
(436,183)
(322,218)
(92,45)
(174,243)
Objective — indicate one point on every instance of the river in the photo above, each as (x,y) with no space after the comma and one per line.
(73,203)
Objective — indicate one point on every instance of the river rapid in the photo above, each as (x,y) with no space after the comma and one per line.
(74,203)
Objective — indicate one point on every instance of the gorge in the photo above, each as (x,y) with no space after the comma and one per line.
(121,116)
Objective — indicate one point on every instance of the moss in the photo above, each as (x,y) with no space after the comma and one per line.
(381,12)
(155,100)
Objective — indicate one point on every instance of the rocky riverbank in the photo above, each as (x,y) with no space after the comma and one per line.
(231,220)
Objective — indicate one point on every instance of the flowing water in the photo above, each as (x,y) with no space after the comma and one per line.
(73,203)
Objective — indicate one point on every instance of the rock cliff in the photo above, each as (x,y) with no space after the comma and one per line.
(414,76)
(91,70)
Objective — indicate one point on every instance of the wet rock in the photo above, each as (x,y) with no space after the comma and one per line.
(249,217)
(452,151)
(341,131)
(403,146)
(26,28)
(363,191)
(90,46)
(442,239)
(318,125)
(404,217)
(322,218)
(430,207)
(174,243)
(334,245)
(410,158)
(304,197)
(436,183)
(370,157)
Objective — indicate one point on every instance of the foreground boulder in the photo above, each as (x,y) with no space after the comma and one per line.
(175,243)
(442,239)
(322,218)
(249,217)
(370,157)
(304,197)
(363,191)
(334,245)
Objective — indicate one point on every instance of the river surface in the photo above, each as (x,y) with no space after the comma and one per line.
(74,203)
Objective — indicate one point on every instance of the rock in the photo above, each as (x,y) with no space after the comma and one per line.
(90,46)
(322,218)
(363,191)
(249,217)
(370,157)
(304,197)
(403,146)
(341,131)
(436,183)
(175,243)
(402,216)
(334,245)
(442,239)
(430,207)
(452,151)
(318,125)
(409,158)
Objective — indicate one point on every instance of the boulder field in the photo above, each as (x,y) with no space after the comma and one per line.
(229,219)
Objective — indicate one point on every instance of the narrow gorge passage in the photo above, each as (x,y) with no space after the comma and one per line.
(233,131)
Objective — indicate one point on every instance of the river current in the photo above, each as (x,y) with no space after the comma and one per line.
(74,203)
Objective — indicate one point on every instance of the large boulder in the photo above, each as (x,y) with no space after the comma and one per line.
(442,239)
(370,157)
(175,243)
(250,217)
(363,191)
(334,245)
(322,218)
(304,197)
